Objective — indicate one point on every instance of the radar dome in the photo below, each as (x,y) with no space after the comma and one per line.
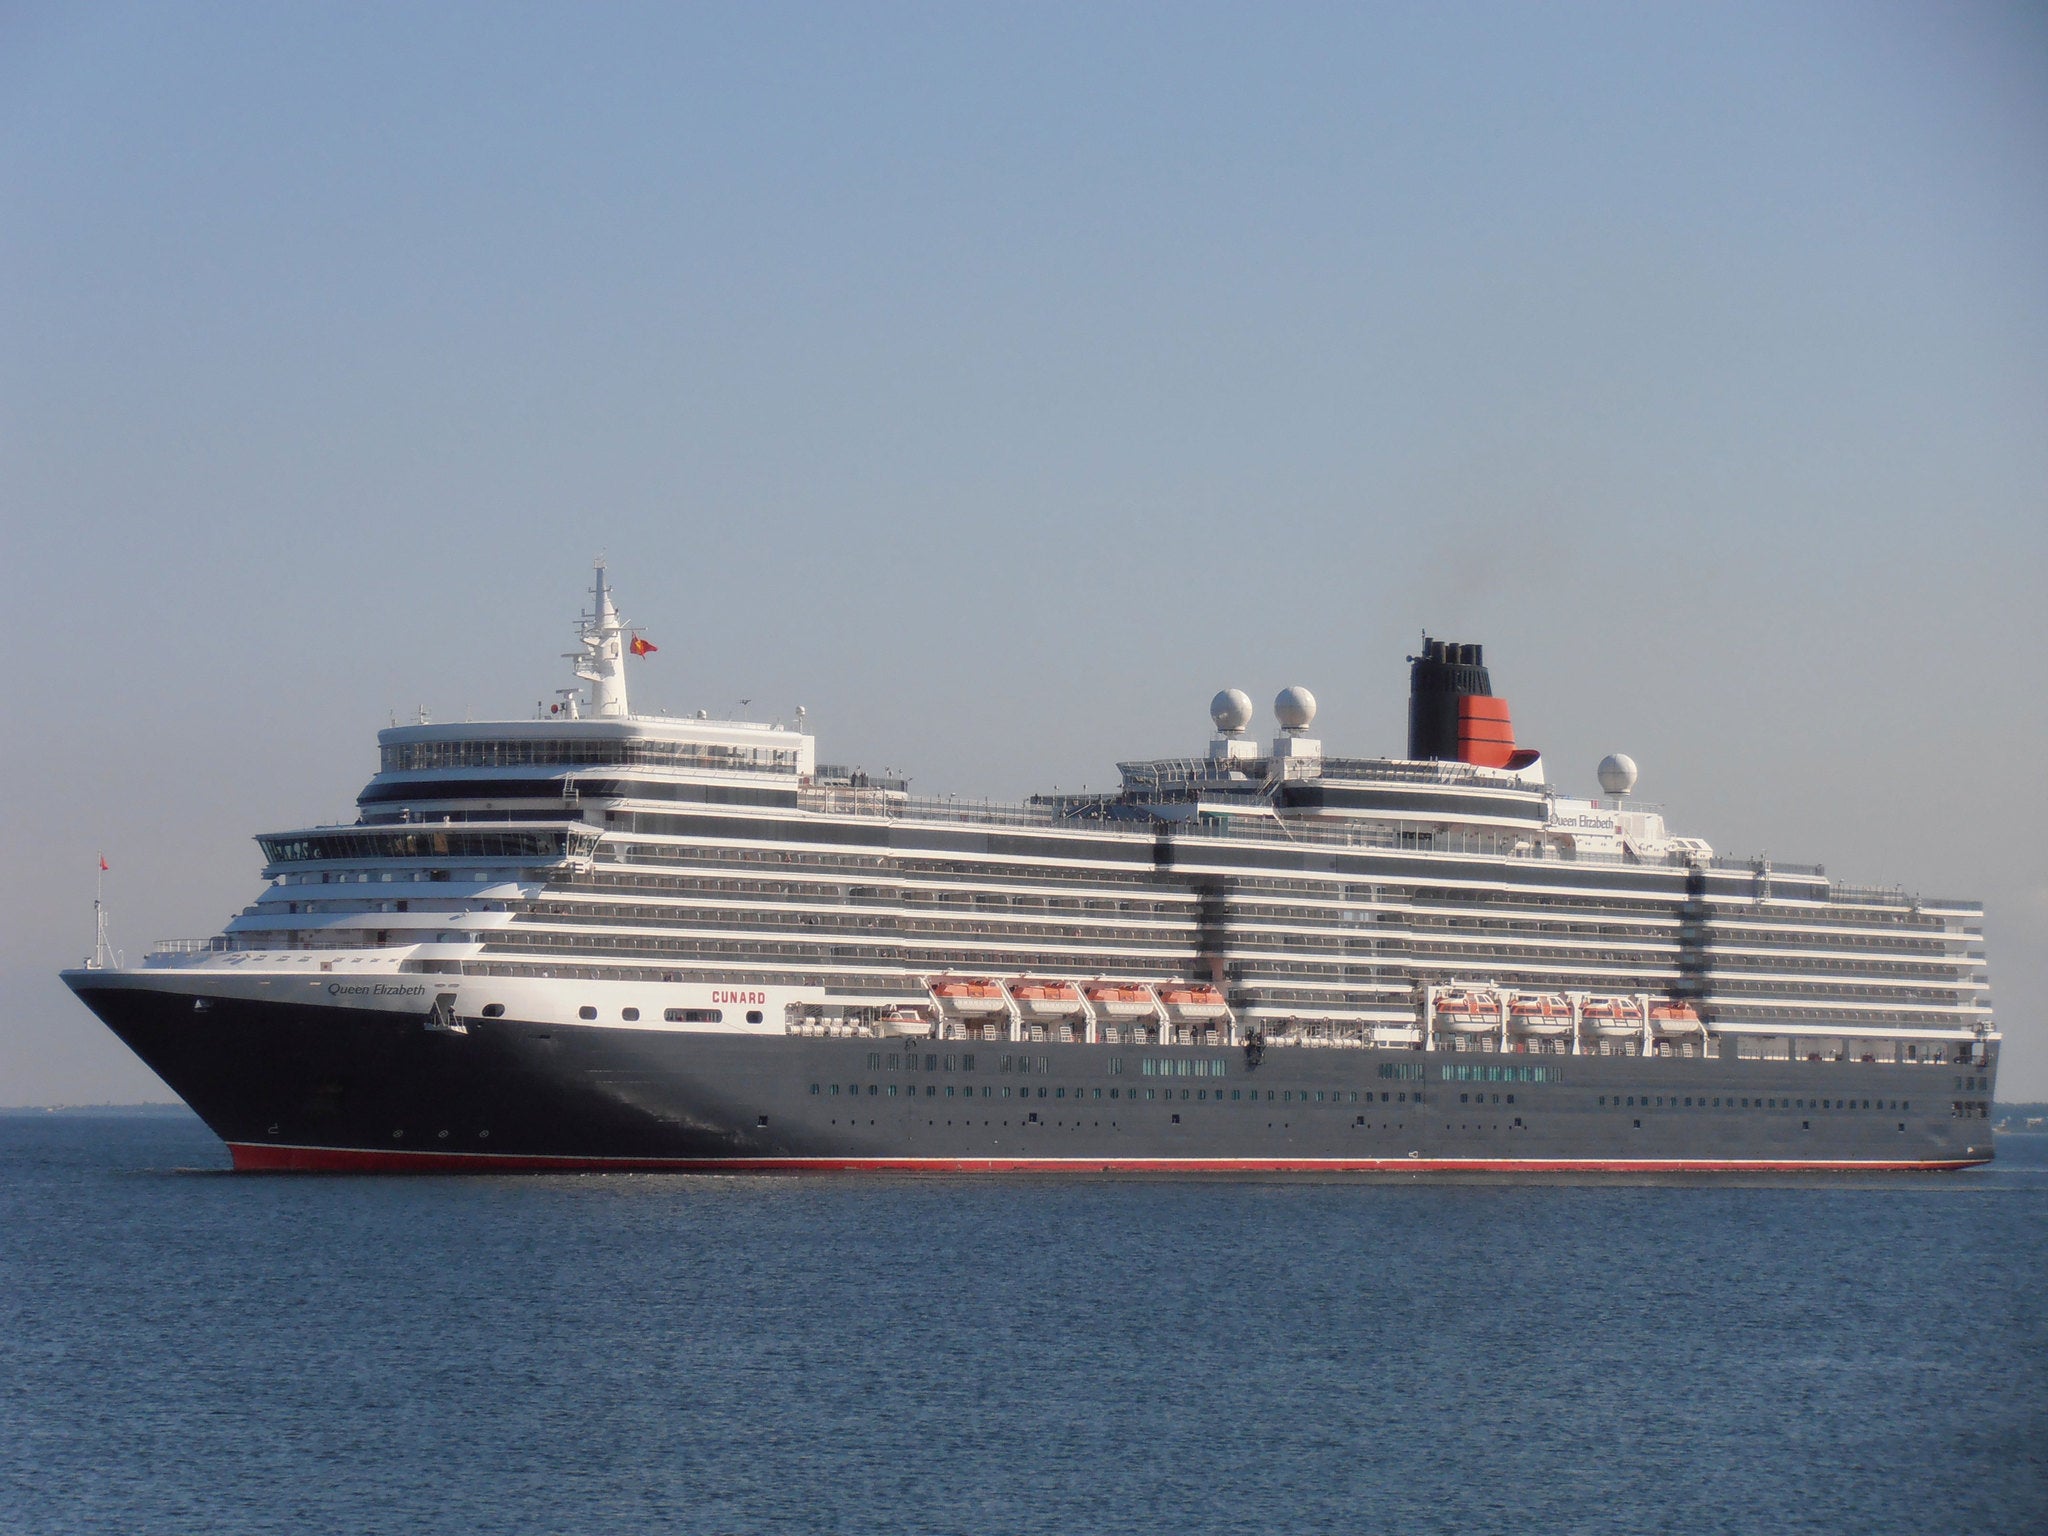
(1617,773)
(1231,710)
(1295,708)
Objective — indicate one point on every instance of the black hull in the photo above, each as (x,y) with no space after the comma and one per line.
(290,1086)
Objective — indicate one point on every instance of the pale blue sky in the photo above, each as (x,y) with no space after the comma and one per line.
(999,383)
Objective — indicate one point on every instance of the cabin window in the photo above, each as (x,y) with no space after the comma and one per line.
(700,1016)
(630,1015)
(494,1010)
(586,1012)
(753,1016)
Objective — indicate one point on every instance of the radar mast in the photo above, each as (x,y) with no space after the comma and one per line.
(602,661)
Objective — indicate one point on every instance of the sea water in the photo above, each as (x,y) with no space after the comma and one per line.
(185,1349)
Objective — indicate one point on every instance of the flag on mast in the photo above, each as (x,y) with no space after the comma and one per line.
(103,863)
(641,647)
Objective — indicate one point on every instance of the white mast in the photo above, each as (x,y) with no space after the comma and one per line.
(99,918)
(602,662)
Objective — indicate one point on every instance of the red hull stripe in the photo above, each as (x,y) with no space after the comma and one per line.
(256,1157)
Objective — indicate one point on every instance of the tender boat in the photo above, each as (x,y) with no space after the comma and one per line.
(1468,1012)
(1669,1020)
(1543,1015)
(967,995)
(1046,999)
(1120,1000)
(1196,1004)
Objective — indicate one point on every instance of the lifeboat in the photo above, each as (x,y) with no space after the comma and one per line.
(967,995)
(1612,1018)
(1467,1012)
(905,1021)
(1195,1004)
(1046,999)
(1117,1000)
(1541,1014)
(1669,1019)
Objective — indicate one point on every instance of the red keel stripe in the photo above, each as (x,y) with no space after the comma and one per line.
(256,1157)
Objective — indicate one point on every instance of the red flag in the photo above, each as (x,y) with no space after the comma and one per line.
(103,863)
(641,647)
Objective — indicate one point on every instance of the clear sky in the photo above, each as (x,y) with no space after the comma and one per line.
(999,382)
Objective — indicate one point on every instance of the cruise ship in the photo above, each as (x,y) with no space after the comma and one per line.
(603,940)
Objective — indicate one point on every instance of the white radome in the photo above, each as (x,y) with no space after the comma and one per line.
(1295,708)
(1231,710)
(1617,773)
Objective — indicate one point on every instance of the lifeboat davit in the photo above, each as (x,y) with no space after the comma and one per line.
(1671,1019)
(1467,1012)
(1541,1014)
(1195,1004)
(1046,999)
(1117,1000)
(1612,1018)
(967,995)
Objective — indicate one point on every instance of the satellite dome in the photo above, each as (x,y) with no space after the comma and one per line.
(1231,710)
(1295,708)
(1617,773)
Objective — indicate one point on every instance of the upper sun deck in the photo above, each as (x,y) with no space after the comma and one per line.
(641,741)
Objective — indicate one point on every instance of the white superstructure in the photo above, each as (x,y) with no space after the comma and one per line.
(598,859)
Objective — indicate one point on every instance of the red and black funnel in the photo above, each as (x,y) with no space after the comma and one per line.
(1452,713)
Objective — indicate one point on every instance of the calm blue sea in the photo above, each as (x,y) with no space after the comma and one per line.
(182,1349)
